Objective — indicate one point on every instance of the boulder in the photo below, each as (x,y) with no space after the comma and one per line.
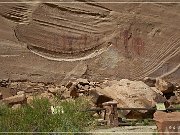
(164,86)
(132,94)
(17,99)
(167,123)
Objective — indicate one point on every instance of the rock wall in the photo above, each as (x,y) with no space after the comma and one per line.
(114,40)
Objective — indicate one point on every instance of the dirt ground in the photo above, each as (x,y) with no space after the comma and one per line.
(46,41)
(127,130)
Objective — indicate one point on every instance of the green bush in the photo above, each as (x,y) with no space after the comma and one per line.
(37,117)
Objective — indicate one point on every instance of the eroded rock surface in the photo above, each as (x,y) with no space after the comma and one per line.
(116,40)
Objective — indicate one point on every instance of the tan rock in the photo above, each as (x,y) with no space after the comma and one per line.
(66,94)
(54,91)
(17,99)
(1,96)
(29,99)
(20,92)
(132,94)
(164,86)
(46,95)
(83,81)
(16,106)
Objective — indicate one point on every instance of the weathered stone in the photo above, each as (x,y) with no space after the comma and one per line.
(6,92)
(132,94)
(163,86)
(167,123)
(1,96)
(17,99)
(86,87)
(46,95)
(69,84)
(54,91)
(149,81)
(66,94)
(16,106)
(20,92)
(174,100)
(83,82)
(75,73)
(79,86)
(29,99)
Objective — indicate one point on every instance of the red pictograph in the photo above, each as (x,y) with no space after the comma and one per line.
(138,45)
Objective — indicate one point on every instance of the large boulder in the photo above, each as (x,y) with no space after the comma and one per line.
(132,94)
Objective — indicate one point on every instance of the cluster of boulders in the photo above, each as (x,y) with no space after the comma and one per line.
(128,94)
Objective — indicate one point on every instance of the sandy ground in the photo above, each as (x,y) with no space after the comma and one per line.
(128,130)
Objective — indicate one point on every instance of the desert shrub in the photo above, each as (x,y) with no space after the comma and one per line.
(37,117)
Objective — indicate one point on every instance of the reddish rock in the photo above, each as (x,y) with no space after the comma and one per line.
(167,123)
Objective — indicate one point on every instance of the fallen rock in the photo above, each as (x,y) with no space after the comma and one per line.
(16,106)
(132,94)
(46,95)
(20,92)
(6,92)
(149,81)
(17,99)
(54,91)
(1,96)
(174,100)
(82,82)
(66,95)
(167,123)
(163,86)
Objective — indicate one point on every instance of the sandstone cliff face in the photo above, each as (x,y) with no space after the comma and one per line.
(115,40)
